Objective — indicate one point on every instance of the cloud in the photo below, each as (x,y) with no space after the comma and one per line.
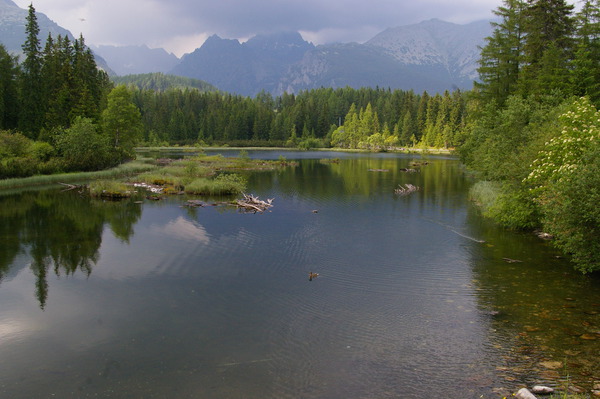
(182,25)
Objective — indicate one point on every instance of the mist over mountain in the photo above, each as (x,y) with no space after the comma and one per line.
(132,60)
(432,55)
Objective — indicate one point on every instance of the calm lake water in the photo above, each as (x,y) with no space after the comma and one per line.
(413,298)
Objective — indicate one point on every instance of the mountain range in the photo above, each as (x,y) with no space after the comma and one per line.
(433,55)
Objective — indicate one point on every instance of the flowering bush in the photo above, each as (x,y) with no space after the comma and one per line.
(566,185)
(563,154)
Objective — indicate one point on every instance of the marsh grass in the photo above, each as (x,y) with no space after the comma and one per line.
(485,194)
(128,169)
(225,184)
(109,189)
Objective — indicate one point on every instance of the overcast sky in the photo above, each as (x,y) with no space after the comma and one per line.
(180,26)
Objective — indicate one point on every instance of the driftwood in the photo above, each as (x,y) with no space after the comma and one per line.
(509,260)
(379,170)
(254,204)
(407,189)
(70,187)
(408,170)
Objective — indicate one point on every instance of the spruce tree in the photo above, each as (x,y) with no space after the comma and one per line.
(502,57)
(549,26)
(31,84)
(8,90)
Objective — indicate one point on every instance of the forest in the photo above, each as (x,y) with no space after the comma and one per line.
(528,130)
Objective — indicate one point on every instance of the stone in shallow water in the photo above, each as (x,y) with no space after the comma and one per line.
(542,389)
(551,364)
(524,393)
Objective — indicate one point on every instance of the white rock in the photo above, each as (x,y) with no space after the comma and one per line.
(525,394)
(542,389)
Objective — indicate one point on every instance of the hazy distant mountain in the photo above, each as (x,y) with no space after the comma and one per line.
(432,55)
(127,60)
(357,65)
(437,43)
(244,68)
(12,30)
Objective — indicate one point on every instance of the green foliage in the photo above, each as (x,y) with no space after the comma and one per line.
(41,151)
(9,101)
(565,181)
(503,141)
(572,214)
(122,123)
(109,189)
(310,143)
(563,154)
(508,204)
(160,82)
(13,144)
(83,148)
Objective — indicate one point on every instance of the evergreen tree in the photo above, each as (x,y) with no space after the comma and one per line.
(548,46)
(31,84)
(585,74)
(502,57)
(8,90)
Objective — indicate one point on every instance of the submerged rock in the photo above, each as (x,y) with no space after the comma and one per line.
(551,364)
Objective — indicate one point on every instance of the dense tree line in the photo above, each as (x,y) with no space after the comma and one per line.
(534,131)
(158,81)
(311,118)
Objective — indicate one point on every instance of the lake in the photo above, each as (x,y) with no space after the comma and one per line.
(417,296)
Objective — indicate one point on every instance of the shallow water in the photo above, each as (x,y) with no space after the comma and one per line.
(413,297)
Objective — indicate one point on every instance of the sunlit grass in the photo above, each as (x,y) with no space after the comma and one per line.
(109,189)
(222,185)
(485,194)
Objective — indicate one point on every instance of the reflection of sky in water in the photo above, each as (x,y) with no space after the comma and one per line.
(183,229)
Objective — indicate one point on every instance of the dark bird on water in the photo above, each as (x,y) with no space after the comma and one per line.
(312,275)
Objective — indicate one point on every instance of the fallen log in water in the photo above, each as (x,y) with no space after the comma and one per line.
(254,204)
(407,189)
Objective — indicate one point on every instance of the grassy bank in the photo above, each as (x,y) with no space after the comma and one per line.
(128,169)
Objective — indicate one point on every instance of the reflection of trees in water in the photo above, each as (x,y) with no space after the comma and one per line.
(441,181)
(59,230)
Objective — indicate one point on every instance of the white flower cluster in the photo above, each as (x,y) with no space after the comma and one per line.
(562,155)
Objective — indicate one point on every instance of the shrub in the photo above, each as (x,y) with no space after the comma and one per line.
(13,144)
(83,148)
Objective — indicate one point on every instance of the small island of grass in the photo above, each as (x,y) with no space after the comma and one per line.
(202,174)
